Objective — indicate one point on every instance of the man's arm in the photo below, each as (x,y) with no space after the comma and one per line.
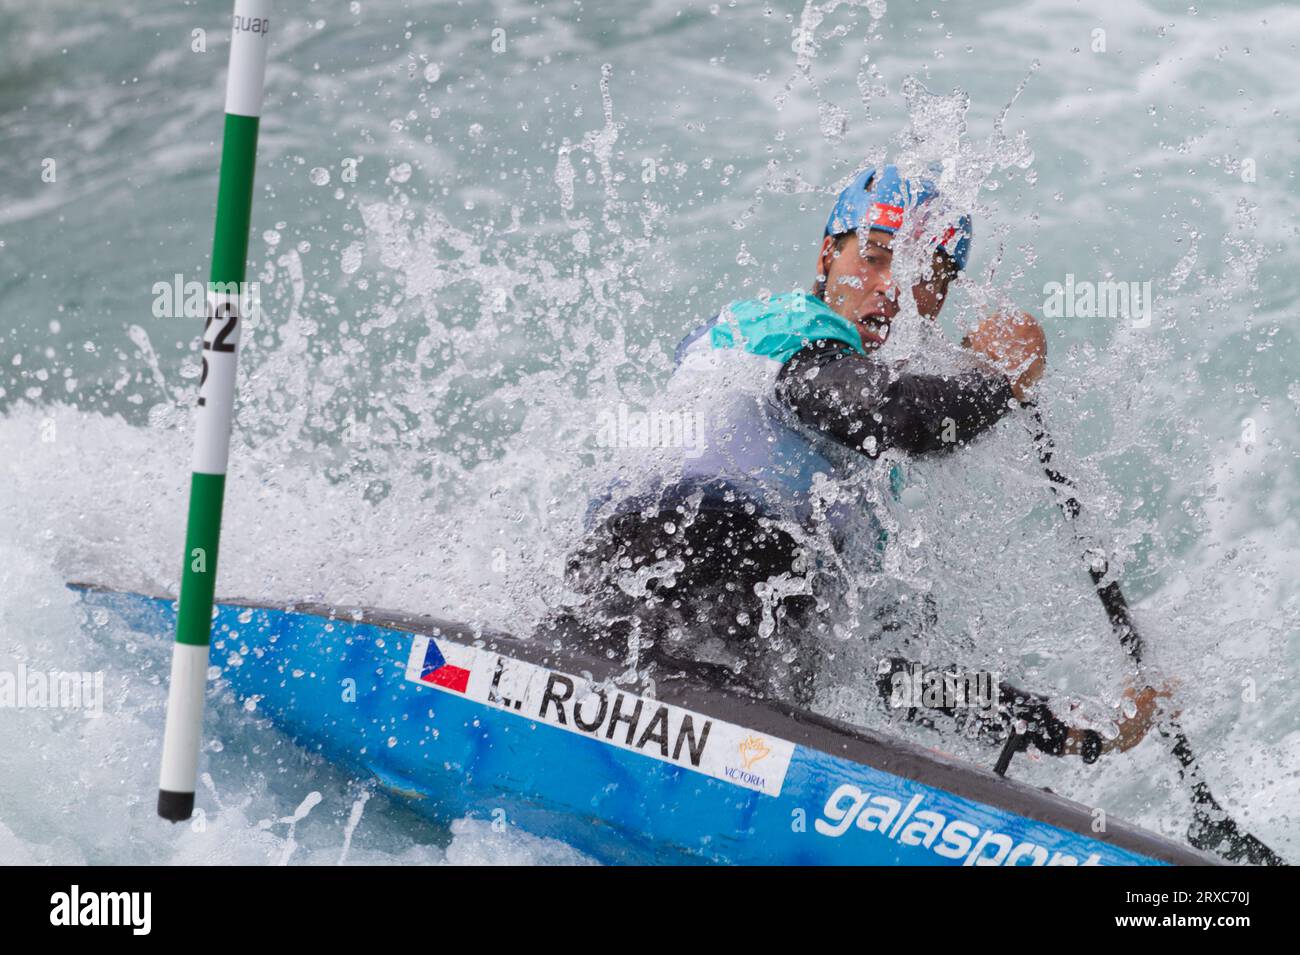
(989,720)
(855,400)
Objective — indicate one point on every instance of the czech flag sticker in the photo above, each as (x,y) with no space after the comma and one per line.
(439,672)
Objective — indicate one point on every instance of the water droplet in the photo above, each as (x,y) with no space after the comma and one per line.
(320,176)
(350,261)
(432,73)
(401,172)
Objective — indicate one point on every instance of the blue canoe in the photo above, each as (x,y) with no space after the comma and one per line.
(464,723)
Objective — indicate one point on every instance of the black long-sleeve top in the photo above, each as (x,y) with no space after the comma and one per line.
(859,402)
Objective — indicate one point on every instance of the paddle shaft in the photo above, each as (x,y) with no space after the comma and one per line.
(1211,826)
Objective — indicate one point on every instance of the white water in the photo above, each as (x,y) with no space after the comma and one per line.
(415,424)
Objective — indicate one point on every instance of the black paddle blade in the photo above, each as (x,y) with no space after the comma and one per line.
(1218,833)
(1212,829)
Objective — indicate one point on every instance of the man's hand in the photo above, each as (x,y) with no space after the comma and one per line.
(1146,708)
(1015,345)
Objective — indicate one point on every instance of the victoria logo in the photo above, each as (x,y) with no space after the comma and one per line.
(752,749)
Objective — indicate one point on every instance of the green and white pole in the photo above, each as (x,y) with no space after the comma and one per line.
(221,333)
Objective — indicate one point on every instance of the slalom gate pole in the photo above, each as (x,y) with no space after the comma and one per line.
(221,332)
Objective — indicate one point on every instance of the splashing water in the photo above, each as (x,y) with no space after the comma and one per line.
(467,256)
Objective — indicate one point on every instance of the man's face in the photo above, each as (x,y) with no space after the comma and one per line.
(859,283)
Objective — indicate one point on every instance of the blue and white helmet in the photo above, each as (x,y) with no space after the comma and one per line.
(879,199)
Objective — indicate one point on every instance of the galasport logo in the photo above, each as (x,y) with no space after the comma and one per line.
(74,908)
(912,825)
